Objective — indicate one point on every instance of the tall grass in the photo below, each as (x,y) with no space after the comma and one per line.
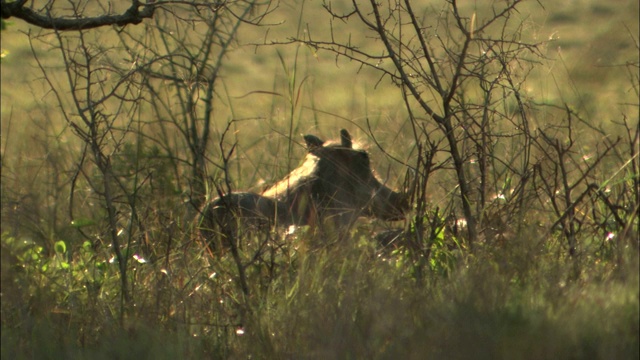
(348,300)
(517,295)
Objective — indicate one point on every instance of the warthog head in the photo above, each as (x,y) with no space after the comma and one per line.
(336,182)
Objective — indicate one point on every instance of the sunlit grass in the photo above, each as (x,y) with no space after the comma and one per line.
(309,299)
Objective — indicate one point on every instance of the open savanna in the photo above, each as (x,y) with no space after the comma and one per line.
(519,295)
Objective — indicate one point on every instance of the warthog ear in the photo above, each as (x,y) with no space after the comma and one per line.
(345,138)
(313,142)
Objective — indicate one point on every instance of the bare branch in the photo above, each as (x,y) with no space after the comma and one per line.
(135,14)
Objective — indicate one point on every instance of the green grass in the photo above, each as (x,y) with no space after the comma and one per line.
(344,301)
(519,298)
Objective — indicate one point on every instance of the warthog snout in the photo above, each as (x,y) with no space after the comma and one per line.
(389,205)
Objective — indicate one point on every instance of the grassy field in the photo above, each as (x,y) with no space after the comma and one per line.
(517,294)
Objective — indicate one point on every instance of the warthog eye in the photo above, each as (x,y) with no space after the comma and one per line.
(364,157)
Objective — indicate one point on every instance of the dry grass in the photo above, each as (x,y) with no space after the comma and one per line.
(522,297)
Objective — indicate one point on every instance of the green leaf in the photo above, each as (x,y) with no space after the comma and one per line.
(87,246)
(60,247)
(35,252)
(82,222)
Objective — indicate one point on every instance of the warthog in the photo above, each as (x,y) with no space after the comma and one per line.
(334,186)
